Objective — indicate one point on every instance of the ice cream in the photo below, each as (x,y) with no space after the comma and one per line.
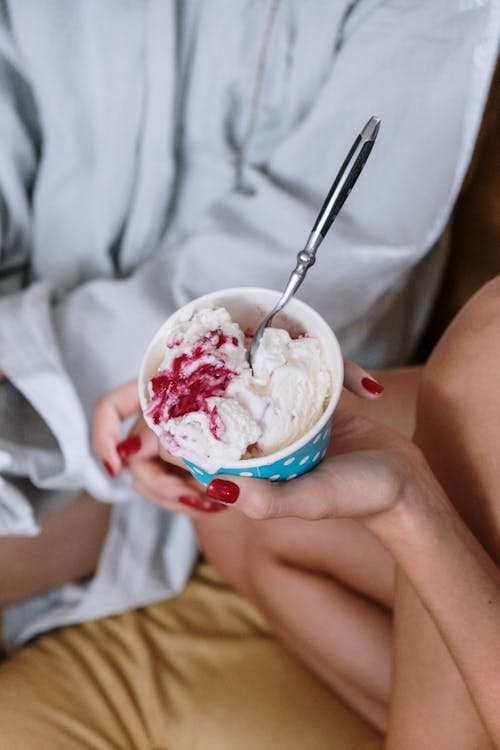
(209,407)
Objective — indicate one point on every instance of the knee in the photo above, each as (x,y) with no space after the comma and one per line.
(481,313)
(490,289)
(470,348)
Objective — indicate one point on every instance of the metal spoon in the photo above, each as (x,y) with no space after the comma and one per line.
(342,186)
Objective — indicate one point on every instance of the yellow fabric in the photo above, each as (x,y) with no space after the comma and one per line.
(201,671)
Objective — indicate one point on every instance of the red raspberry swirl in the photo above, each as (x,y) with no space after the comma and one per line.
(191,379)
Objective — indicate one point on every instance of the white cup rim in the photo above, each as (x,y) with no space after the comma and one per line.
(295,302)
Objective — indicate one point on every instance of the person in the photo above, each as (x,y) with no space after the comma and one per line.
(384,524)
(140,159)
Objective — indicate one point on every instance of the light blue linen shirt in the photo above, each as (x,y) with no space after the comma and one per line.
(120,123)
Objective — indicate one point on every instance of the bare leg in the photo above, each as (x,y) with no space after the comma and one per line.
(326,588)
(458,428)
(67,549)
(344,638)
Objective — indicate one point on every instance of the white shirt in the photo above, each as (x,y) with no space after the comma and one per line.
(119,126)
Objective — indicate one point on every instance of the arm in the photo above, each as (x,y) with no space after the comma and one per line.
(457,582)
(383,480)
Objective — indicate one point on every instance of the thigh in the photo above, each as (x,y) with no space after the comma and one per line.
(458,428)
(341,549)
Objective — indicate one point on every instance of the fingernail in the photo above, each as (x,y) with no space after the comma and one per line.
(200,503)
(372,386)
(129,447)
(109,468)
(223,490)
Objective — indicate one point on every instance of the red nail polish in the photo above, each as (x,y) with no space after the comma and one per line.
(129,447)
(109,468)
(223,490)
(200,503)
(372,386)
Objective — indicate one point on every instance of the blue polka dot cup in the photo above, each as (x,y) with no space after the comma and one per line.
(248,306)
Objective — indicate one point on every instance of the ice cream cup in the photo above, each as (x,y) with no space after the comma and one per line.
(248,306)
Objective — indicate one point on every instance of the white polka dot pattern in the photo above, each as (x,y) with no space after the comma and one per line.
(302,460)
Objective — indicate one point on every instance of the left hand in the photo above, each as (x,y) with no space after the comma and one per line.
(166,481)
(369,473)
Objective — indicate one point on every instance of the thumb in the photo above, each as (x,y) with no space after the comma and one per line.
(350,485)
(311,497)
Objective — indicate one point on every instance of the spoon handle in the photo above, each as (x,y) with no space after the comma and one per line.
(340,189)
(344,181)
(342,186)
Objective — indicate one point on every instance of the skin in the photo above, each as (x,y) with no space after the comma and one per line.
(67,549)
(447,594)
(457,429)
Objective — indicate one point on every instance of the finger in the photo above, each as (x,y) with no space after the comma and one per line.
(350,485)
(140,442)
(155,480)
(173,491)
(360,382)
(304,497)
(109,413)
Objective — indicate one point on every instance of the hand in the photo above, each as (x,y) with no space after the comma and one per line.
(166,481)
(369,472)
(168,484)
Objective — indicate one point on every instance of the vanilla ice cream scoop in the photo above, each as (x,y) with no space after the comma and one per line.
(210,408)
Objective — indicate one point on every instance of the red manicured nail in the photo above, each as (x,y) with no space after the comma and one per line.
(200,503)
(372,386)
(129,447)
(223,490)
(109,468)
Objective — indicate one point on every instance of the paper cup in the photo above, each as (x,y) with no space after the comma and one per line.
(248,306)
